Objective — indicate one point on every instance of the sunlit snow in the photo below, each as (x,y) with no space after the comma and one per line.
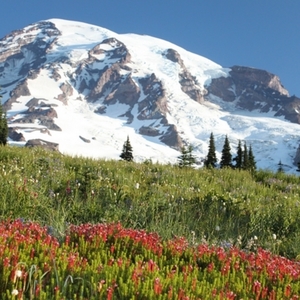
(272,139)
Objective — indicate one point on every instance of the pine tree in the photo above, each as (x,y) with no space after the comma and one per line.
(191,157)
(186,159)
(245,163)
(127,151)
(226,158)
(239,157)
(183,157)
(280,168)
(251,160)
(3,126)
(211,158)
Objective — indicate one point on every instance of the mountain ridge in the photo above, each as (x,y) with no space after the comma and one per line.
(70,82)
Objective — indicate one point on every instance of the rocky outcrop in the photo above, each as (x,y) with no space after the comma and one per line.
(84,139)
(127,92)
(43,144)
(149,131)
(29,40)
(172,138)
(186,80)
(154,105)
(44,115)
(111,49)
(255,89)
(14,135)
(20,90)
(102,83)
(67,91)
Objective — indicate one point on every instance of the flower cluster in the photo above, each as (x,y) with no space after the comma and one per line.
(108,261)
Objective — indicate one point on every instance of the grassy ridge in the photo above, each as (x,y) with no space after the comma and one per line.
(222,207)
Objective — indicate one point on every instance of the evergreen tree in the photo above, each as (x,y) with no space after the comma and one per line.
(127,151)
(245,163)
(211,158)
(239,156)
(186,159)
(3,125)
(251,160)
(226,158)
(280,167)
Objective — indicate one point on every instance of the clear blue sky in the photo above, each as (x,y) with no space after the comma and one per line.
(264,34)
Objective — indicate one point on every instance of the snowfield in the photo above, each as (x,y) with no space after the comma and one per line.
(272,139)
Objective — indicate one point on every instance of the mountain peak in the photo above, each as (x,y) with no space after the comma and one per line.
(86,88)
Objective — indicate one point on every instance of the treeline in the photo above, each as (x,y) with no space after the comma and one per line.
(244,160)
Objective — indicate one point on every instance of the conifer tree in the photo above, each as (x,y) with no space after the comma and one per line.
(211,158)
(3,125)
(239,156)
(245,158)
(226,158)
(280,168)
(251,160)
(127,151)
(186,159)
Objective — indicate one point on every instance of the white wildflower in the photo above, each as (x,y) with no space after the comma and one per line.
(18,273)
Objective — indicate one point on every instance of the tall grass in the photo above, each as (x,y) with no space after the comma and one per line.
(220,206)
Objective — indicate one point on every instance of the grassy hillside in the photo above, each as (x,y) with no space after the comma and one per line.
(222,207)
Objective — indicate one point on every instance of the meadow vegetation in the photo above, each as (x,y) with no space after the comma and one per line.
(162,215)
(219,206)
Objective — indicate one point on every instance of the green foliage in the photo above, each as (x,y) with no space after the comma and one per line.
(239,157)
(186,159)
(245,158)
(108,261)
(251,160)
(211,159)
(226,159)
(215,205)
(3,126)
(127,151)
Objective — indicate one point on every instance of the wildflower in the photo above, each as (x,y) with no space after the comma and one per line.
(15,292)
(137,185)
(274,236)
(18,273)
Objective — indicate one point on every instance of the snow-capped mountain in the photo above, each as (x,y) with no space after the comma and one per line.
(83,89)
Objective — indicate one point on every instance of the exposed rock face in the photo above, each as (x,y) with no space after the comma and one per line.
(42,143)
(154,105)
(38,111)
(15,135)
(187,81)
(84,139)
(103,83)
(43,73)
(256,89)
(20,90)
(172,138)
(67,91)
